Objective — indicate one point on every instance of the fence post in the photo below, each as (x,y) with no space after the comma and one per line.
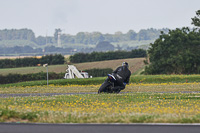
(46,65)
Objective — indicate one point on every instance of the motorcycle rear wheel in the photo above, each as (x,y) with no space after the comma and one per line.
(105,87)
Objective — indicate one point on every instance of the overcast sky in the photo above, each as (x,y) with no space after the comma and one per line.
(105,16)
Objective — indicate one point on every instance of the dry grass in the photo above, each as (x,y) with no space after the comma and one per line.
(37,69)
(15,57)
(135,64)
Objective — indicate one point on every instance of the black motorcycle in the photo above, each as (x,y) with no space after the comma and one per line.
(108,85)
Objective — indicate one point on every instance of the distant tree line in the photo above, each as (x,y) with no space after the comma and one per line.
(95,37)
(28,50)
(111,55)
(19,49)
(81,37)
(24,41)
(100,47)
(30,61)
(14,78)
(21,34)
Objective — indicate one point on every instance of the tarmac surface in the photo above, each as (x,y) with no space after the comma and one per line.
(98,128)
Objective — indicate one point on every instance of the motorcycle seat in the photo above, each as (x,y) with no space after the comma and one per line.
(111,77)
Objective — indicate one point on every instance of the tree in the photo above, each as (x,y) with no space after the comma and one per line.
(30,35)
(13,34)
(118,36)
(104,46)
(131,35)
(97,37)
(143,35)
(67,38)
(196,19)
(177,52)
(80,37)
(108,37)
(41,40)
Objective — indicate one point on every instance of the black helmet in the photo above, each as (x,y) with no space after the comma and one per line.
(125,64)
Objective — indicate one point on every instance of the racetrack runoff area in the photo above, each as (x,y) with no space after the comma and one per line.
(139,103)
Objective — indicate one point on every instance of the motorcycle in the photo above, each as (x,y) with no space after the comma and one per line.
(108,85)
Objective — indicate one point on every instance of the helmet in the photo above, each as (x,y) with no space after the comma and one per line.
(125,64)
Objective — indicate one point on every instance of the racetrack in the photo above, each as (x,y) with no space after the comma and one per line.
(98,128)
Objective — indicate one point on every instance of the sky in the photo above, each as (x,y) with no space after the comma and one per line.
(105,16)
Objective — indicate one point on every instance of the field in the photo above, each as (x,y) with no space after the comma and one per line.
(138,79)
(15,57)
(141,102)
(133,87)
(135,64)
(133,43)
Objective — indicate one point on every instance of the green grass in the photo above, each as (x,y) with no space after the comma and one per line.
(141,87)
(100,80)
(165,78)
(6,114)
(88,81)
(104,108)
(145,103)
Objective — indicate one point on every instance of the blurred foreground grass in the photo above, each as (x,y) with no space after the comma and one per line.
(103,108)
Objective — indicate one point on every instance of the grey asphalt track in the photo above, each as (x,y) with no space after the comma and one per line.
(98,128)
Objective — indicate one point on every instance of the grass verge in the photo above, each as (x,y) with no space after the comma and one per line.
(96,81)
(133,87)
(104,108)
(13,116)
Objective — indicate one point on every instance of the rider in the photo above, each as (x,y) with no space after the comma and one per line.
(122,75)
